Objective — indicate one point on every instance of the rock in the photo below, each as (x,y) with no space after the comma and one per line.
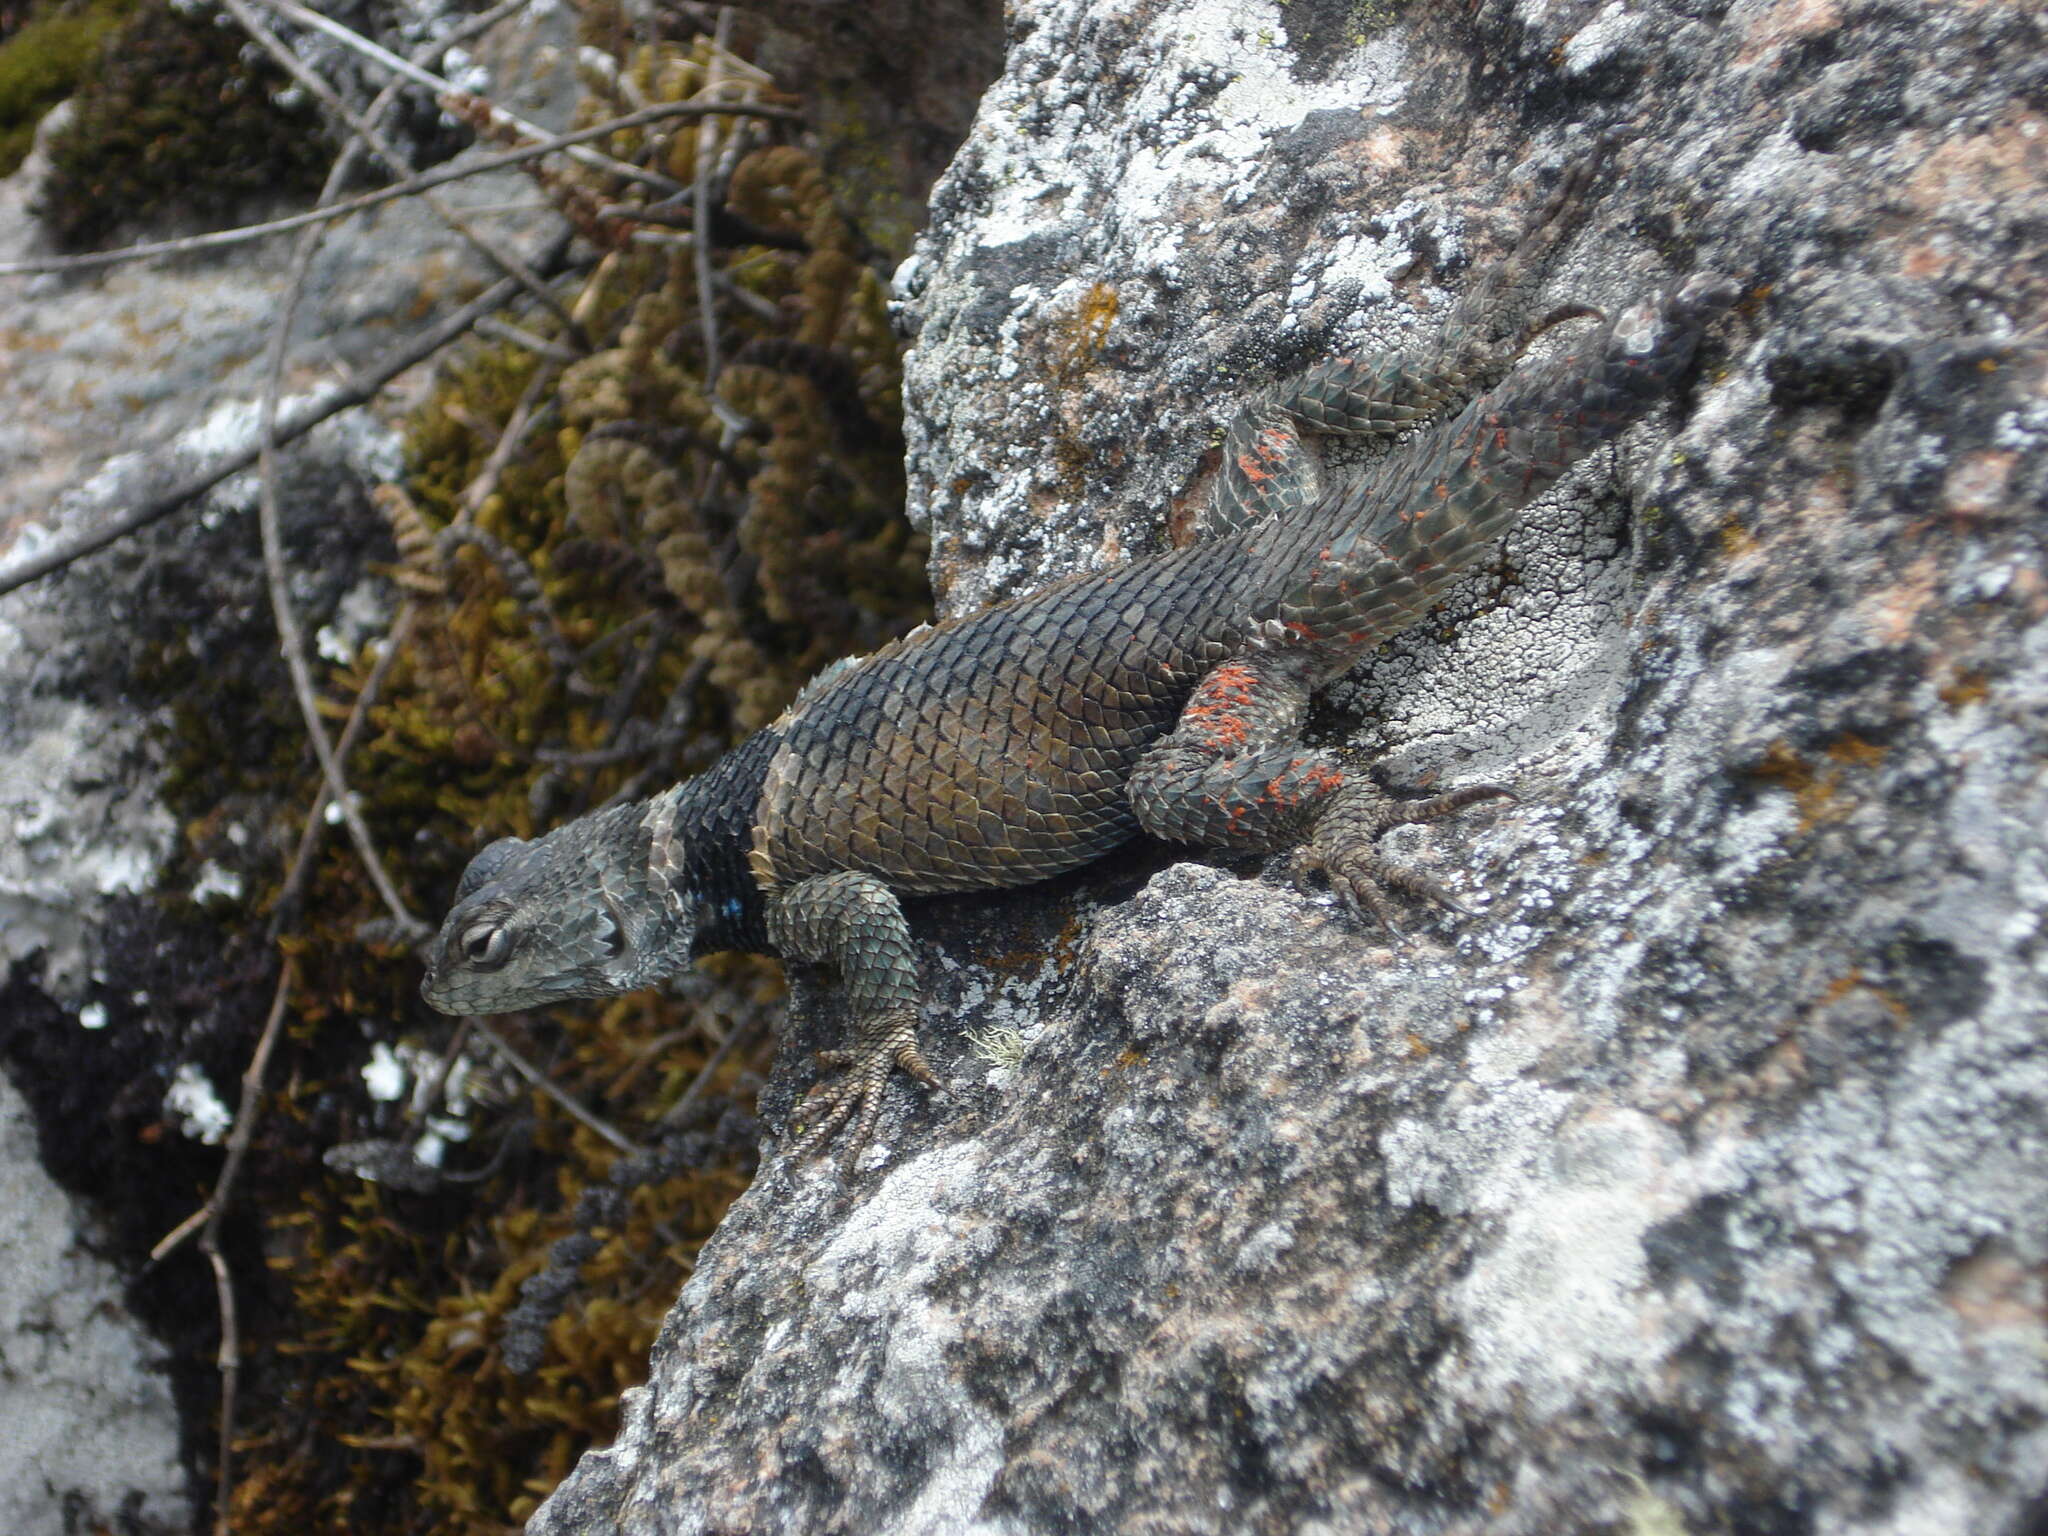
(891,86)
(90,1426)
(1696,1182)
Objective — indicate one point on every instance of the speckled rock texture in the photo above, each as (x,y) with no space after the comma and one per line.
(80,1398)
(1699,1180)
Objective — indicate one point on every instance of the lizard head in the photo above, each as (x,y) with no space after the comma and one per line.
(572,914)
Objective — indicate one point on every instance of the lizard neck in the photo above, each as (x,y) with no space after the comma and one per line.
(697,838)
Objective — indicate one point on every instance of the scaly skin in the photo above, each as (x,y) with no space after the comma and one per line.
(1033,737)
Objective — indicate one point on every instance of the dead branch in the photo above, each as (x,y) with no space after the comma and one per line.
(439,177)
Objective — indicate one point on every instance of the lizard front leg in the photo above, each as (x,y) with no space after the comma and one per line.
(1233,775)
(853,922)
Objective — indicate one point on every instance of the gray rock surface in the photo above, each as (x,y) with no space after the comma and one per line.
(89,1418)
(1699,1181)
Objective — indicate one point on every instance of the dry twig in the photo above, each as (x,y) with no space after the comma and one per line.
(546,1085)
(439,177)
(366,132)
(360,389)
(740,1034)
(356,42)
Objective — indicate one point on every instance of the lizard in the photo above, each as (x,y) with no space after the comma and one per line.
(1166,695)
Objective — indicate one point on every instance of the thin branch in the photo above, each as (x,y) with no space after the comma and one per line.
(493,250)
(358,390)
(230,1359)
(438,177)
(229,1362)
(291,638)
(746,1031)
(358,717)
(504,330)
(700,193)
(206,1222)
(245,1121)
(355,41)
(473,26)
(546,1085)
(430,1092)
(525,417)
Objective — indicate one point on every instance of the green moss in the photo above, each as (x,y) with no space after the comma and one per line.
(1369,16)
(45,61)
(686,573)
(176,115)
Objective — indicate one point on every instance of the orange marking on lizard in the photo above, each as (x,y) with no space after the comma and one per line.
(1324,778)
(1217,706)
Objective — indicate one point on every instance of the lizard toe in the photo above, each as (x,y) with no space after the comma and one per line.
(1403,812)
(862,1133)
(852,1106)
(911,1060)
(832,1106)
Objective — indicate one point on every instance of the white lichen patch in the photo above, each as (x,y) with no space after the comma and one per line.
(906,1231)
(1128,182)
(197,1106)
(74,829)
(1556,1302)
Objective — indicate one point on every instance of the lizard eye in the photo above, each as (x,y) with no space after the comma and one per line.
(486,948)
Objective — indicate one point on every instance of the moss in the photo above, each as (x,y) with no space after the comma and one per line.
(44,62)
(652,583)
(176,116)
(1369,16)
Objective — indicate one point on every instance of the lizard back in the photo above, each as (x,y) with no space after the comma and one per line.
(994,750)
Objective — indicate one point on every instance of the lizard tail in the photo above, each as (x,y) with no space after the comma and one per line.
(1516,440)
(1370,560)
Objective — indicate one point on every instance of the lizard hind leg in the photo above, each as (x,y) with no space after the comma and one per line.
(1234,776)
(852,921)
(1344,847)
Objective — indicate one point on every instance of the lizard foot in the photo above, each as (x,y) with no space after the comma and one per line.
(856,1099)
(1342,850)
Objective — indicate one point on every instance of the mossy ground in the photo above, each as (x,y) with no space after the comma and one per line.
(44,57)
(175,116)
(665,558)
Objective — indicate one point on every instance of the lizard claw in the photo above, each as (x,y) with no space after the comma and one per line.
(855,1101)
(1342,851)
(1358,875)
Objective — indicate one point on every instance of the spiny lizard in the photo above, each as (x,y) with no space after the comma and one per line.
(1166,695)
